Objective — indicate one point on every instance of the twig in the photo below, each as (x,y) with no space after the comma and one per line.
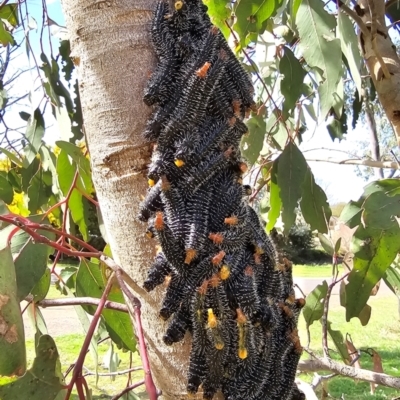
(76,301)
(367,163)
(123,372)
(77,372)
(128,389)
(326,364)
(135,303)
(351,13)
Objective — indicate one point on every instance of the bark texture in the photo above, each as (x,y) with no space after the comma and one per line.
(110,45)
(381,58)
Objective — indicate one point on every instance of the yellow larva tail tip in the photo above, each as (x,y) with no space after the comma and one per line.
(259,250)
(150,234)
(219,345)
(179,163)
(224,272)
(178,5)
(151,182)
(212,319)
(242,353)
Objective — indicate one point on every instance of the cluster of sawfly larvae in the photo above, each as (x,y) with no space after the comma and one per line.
(223,281)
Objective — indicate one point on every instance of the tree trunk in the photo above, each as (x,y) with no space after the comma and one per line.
(380,57)
(110,45)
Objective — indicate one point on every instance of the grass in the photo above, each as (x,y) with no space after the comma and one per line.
(382,333)
(69,346)
(313,271)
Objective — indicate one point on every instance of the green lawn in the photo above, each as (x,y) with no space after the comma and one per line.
(313,271)
(69,347)
(382,334)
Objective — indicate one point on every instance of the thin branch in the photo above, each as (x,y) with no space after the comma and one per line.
(127,389)
(352,14)
(117,373)
(76,301)
(326,364)
(366,163)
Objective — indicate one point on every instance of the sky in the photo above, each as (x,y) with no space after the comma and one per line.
(340,182)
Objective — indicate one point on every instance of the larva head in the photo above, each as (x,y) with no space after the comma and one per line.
(149,234)
(224,272)
(219,345)
(300,303)
(248,271)
(212,321)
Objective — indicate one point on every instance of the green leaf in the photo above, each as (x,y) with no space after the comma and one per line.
(11,156)
(5,36)
(314,204)
(41,289)
(320,48)
(392,280)
(9,12)
(65,53)
(49,164)
(12,340)
(6,190)
(39,192)
(43,381)
(351,214)
(374,250)
(349,46)
(219,13)
(28,172)
(30,258)
(66,170)
(253,142)
(293,75)
(356,108)
(252,16)
(337,127)
(380,211)
(34,134)
(3,98)
(326,243)
(314,308)
(339,343)
(291,173)
(275,201)
(90,282)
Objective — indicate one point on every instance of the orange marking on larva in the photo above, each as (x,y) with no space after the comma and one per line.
(259,250)
(218,258)
(228,152)
(202,72)
(236,107)
(231,220)
(165,183)
(257,258)
(215,281)
(217,238)
(280,267)
(222,54)
(248,271)
(214,30)
(243,167)
(241,318)
(224,272)
(242,353)
(203,288)
(149,74)
(291,299)
(219,344)
(232,121)
(288,312)
(190,255)
(167,280)
(159,221)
